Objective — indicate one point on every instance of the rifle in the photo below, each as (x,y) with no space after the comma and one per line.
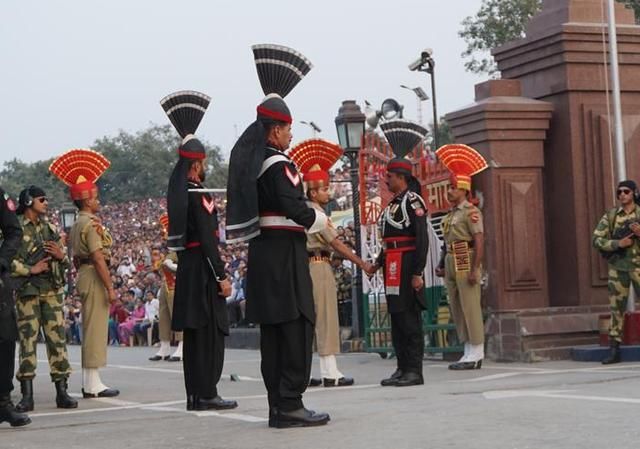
(619,234)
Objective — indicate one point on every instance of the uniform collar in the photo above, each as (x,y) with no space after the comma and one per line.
(86,214)
(463,205)
(25,221)
(621,210)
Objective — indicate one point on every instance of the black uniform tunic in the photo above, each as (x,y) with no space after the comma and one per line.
(11,241)
(198,308)
(279,290)
(404,225)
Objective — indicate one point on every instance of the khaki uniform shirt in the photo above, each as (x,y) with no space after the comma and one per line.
(88,235)
(321,241)
(462,223)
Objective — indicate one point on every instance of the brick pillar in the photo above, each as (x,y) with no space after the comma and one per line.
(509,131)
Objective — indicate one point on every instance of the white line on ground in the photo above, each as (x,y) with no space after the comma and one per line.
(487,378)
(162,370)
(561,394)
(236,416)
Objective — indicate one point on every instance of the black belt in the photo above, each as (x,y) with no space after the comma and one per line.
(397,245)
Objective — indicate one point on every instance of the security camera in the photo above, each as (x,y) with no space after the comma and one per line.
(415,65)
(425,57)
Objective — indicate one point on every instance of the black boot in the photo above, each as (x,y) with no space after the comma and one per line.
(409,379)
(63,400)
(614,353)
(26,403)
(215,403)
(300,418)
(392,380)
(8,413)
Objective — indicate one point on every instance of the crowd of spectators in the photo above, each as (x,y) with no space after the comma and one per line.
(137,251)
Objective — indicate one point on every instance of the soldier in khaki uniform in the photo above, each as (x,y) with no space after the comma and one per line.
(617,238)
(461,264)
(38,270)
(91,244)
(168,266)
(314,158)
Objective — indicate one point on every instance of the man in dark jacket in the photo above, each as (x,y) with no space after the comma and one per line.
(11,240)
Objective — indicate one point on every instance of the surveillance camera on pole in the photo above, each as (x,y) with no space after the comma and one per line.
(424,63)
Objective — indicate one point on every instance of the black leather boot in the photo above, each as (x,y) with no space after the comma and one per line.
(614,353)
(8,413)
(216,403)
(63,400)
(300,418)
(410,379)
(26,403)
(393,380)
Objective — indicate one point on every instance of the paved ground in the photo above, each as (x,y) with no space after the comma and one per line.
(546,405)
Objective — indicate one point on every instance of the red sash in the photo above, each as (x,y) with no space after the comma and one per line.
(393,272)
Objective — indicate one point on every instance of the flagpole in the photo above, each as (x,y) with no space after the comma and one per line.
(620,158)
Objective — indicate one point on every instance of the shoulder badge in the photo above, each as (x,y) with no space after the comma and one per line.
(97,225)
(474,215)
(417,204)
(208,203)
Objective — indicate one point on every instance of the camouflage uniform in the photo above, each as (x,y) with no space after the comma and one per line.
(623,269)
(343,282)
(39,302)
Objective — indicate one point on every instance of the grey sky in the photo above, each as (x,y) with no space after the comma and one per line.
(76,70)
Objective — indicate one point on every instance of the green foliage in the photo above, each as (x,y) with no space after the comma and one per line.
(140,167)
(498,22)
(444,133)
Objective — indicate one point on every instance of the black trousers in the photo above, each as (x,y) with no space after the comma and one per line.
(203,358)
(408,339)
(286,351)
(7,366)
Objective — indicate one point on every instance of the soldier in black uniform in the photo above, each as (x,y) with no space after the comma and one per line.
(266,203)
(404,255)
(11,239)
(199,307)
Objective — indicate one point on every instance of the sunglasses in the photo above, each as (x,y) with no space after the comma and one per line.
(625,191)
(43,199)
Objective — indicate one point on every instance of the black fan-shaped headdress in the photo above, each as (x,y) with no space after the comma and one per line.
(185,109)
(403,135)
(280,69)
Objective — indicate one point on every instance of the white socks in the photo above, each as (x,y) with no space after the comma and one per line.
(465,357)
(165,349)
(329,367)
(178,352)
(91,382)
(476,353)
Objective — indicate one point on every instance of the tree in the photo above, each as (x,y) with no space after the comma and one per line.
(498,22)
(444,133)
(140,167)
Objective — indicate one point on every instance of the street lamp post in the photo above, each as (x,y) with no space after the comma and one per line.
(427,64)
(67,218)
(420,96)
(315,128)
(350,124)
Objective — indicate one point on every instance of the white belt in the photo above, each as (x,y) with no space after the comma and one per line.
(279,222)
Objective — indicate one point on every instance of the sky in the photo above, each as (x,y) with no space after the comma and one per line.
(77,70)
